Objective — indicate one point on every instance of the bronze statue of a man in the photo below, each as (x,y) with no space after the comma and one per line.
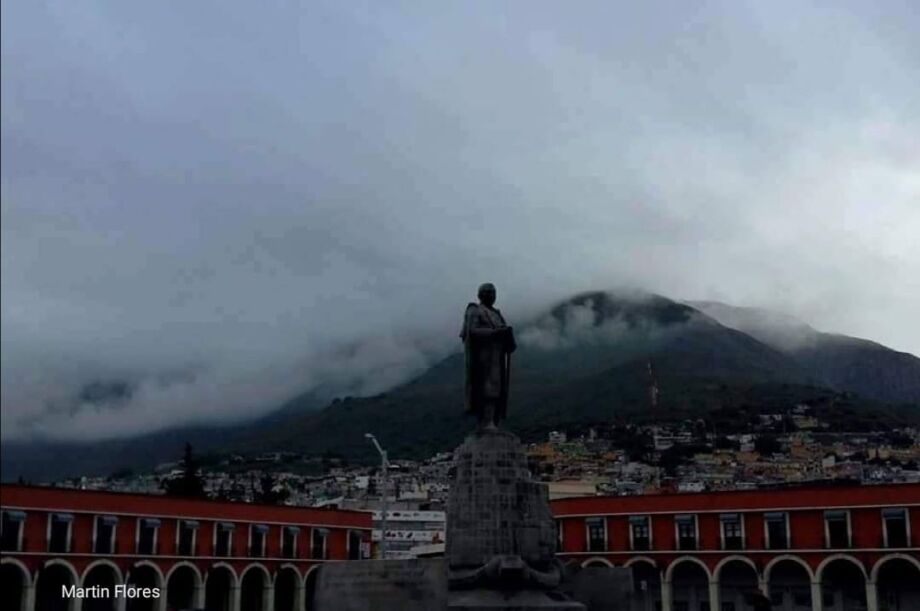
(488,343)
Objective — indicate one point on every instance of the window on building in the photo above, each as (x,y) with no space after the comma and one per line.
(104,542)
(640,533)
(147,536)
(257,535)
(11,527)
(318,543)
(355,542)
(837,528)
(777,531)
(59,536)
(597,534)
(895,527)
(223,538)
(186,535)
(686,531)
(732,531)
(289,541)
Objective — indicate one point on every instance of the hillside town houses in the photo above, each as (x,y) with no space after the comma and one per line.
(679,457)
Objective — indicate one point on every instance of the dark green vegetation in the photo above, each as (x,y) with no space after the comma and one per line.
(836,361)
(585,362)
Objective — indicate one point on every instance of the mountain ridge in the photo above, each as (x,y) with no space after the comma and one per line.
(585,359)
(840,361)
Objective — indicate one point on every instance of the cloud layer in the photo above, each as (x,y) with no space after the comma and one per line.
(232,198)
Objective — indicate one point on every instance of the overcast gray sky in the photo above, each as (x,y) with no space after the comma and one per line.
(206,198)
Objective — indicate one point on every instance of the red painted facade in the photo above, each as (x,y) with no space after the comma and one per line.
(343,534)
(878,526)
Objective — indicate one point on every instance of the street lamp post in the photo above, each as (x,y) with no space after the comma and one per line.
(384,465)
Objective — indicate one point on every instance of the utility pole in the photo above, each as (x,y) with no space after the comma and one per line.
(384,466)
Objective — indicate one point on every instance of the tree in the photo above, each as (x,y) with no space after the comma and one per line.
(267,492)
(189,483)
(767,445)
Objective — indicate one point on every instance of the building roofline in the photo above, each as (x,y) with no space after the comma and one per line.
(142,496)
(807,487)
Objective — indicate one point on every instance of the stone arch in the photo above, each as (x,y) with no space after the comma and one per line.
(103,574)
(16,592)
(147,564)
(669,572)
(257,566)
(27,575)
(288,588)
(61,562)
(224,565)
(789,581)
(646,582)
(842,578)
(55,571)
(769,567)
(716,572)
(287,565)
(217,597)
(596,561)
(108,563)
(309,585)
(897,582)
(819,572)
(737,579)
(688,581)
(185,563)
(255,591)
(637,559)
(145,574)
(182,592)
(878,565)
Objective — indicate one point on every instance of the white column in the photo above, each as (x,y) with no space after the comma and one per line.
(28,597)
(160,604)
(234,598)
(298,597)
(666,595)
(122,602)
(268,598)
(714,596)
(817,601)
(871,596)
(198,596)
(764,586)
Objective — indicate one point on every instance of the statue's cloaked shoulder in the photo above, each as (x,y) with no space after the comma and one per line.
(469,319)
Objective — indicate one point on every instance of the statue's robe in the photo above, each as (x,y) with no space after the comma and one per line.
(487,359)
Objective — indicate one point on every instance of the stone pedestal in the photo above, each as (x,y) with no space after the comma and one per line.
(501,537)
(381,585)
(501,545)
(495,509)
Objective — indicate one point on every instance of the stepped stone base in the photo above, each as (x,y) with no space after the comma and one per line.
(501,536)
(495,600)
(381,585)
(500,553)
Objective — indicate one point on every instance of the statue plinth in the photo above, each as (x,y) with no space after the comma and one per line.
(501,538)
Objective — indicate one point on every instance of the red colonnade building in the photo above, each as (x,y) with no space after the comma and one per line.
(199,554)
(822,548)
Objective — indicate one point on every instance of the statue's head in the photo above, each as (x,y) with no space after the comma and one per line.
(487,293)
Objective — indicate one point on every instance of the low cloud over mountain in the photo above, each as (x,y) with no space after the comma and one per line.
(222,209)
